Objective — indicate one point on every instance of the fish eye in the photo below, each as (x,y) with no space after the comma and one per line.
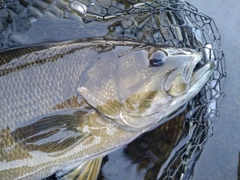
(158,58)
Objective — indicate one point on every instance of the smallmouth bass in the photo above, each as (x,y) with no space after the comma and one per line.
(65,105)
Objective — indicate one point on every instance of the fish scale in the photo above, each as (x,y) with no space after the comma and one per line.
(41,87)
(69,108)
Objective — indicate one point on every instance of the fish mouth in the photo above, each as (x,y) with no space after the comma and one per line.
(201,73)
(198,71)
(194,73)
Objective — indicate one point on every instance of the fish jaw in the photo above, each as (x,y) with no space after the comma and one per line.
(184,83)
(178,80)
(139,95)
(188,77)
(198,80)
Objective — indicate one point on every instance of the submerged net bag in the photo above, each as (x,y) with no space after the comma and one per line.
(171,150)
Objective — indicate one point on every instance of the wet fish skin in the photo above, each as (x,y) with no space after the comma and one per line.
(72,102)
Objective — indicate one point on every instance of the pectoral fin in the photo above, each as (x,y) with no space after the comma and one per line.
(52,133)
(87,170)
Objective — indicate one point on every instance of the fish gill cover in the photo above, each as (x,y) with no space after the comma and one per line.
(171,150)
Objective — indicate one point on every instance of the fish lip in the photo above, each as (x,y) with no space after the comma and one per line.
(186,71)
(190,67)
(191,74)
(197,69)
(202,72)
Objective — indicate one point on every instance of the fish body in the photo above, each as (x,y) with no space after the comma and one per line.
(64,104)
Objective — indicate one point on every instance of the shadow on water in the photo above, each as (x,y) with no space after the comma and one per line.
(171,150)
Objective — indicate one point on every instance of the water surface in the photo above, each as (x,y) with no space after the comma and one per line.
(220,156)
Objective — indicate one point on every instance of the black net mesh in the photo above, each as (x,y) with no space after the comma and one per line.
(171,150)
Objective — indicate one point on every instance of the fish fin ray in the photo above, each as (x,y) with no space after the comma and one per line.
(52,133)
(88,170)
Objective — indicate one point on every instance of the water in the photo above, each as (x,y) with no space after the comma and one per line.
(219,159)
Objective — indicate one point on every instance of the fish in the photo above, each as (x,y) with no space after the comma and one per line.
(150,153)
(64,106)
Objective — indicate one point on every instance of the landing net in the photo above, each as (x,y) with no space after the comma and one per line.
(171,150)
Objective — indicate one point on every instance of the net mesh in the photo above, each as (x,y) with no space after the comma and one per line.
(171,150)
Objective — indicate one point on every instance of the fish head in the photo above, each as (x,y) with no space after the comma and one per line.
(138,87)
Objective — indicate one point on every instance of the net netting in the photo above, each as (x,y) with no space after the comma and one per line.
(171,150)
